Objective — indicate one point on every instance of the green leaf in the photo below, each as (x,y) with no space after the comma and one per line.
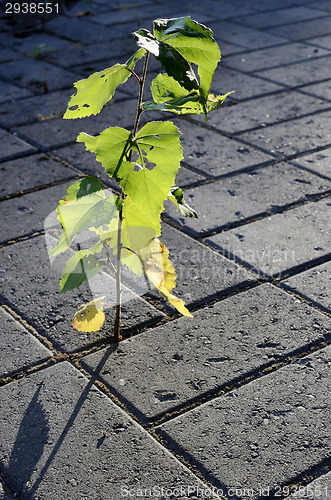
(79,268)
(160,154)
(169,95)
(110,147)
(194,42)
(172,61)
(176,195)
(81,213)
(93,92)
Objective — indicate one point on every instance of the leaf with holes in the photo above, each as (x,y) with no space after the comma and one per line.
(160,153)
(111,148)
(194,42)
(93,92)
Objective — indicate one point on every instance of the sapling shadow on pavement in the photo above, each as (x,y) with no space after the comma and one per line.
(125,226)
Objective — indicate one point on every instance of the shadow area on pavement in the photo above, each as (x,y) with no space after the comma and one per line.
(32,436)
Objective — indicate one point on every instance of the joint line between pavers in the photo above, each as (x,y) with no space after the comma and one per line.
(18,194)
(249,377)
(304,298)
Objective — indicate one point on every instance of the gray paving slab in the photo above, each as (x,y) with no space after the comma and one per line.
(85,162)
(19,348)
(280,17)
(31,172)
(317,162)
(318,489)
(12,146)
(244,86)
(321,41)
(137,12)
(9,92)
(273,56)
(241,35)
(313,284)
(8,55)
(81,30)
(324,5)
(85,54)
(36,75)
(34,294)
(26,214)
(322,90)
(58,132)
(300,73)
(36,44)
(263,435)
(5,493)
(35,109)
(63,438)
(185,361)
(296,136)
(256,113)
(303,30)
(213,154)
(201,273)
(276,244)
(235,198)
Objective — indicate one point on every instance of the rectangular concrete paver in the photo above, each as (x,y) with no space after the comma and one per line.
(201,273)
(317,162)
(19,348)
(13,147)
(322,90)
(263,435)
(186,360)
(244,86)
(31,172)
(258,113)
(280,17)
(33,292)
(313,284)
(321,41)
(36,75)
(301,73)
(244,36)
(213,154)
(35,109)
(239,197)
(274,56)
(62,438)
(26,214)
(276,244)
(304,30)
(291,138)
(8,92)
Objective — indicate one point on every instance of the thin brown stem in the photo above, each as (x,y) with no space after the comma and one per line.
(117,332)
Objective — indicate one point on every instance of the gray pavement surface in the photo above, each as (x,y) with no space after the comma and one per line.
(233,404)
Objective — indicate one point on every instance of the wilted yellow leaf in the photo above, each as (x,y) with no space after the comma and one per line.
(162,274)
(89,317)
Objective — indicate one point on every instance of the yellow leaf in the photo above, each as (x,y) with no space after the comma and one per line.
(162,274)
(89,317)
